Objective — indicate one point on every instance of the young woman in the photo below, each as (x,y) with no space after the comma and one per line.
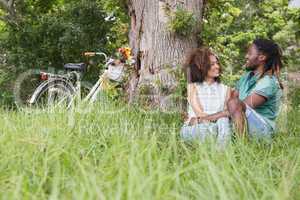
(207,98)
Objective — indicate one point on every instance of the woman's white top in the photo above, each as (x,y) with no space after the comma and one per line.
(212,98)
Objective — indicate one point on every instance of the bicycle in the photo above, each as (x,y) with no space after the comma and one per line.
(63,90)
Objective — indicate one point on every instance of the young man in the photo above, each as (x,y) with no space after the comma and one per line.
(258,92)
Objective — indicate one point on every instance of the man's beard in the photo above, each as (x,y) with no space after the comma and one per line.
(251,67)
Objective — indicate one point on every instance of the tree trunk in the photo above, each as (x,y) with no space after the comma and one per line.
(156,49)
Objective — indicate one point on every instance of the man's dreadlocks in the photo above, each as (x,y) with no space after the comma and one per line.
(274,57)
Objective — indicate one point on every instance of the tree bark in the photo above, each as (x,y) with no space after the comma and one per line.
(155,47)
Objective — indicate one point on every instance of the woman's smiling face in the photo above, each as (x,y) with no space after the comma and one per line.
(214,70)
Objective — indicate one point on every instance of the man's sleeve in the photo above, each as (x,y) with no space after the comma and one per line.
(265,87)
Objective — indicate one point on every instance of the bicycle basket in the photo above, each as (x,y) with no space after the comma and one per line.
(115,72)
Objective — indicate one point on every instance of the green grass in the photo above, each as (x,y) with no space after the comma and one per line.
(134,155)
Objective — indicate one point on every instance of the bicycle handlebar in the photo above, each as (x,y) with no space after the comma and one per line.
(91,54)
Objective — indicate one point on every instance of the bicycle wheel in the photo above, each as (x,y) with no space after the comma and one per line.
(54,93)
(25,85)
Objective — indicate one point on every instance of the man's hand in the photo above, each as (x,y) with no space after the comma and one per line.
(233,94)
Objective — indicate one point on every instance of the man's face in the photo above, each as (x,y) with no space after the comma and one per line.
(252,58)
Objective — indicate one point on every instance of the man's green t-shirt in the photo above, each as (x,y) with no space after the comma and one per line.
(268,87)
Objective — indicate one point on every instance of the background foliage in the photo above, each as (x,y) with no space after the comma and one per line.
(182,22)
(53,32)
(229,26)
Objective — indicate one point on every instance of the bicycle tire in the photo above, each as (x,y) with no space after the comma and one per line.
(56,87)
(25,85)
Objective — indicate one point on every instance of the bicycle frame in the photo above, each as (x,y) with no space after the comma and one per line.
(92,96)
(69,82)
(93,93)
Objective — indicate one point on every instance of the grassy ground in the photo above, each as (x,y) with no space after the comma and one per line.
(133,155)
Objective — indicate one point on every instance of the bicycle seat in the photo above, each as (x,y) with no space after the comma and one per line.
(75,66)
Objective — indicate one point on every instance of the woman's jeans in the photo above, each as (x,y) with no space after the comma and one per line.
(202,131)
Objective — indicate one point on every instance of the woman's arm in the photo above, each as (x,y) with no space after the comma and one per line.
(194,101)
(214,117)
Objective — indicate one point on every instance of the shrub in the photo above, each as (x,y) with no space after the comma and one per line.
(182,22)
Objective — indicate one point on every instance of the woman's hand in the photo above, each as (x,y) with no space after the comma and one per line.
(193,121)
(205,118)
(214,117)
(209,118)
(199,119)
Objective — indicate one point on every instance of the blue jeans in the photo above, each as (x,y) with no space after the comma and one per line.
(258,127)
(221,130)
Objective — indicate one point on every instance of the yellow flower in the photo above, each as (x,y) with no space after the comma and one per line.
(127,52)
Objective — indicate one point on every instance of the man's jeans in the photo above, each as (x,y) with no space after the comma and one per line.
(257,125)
